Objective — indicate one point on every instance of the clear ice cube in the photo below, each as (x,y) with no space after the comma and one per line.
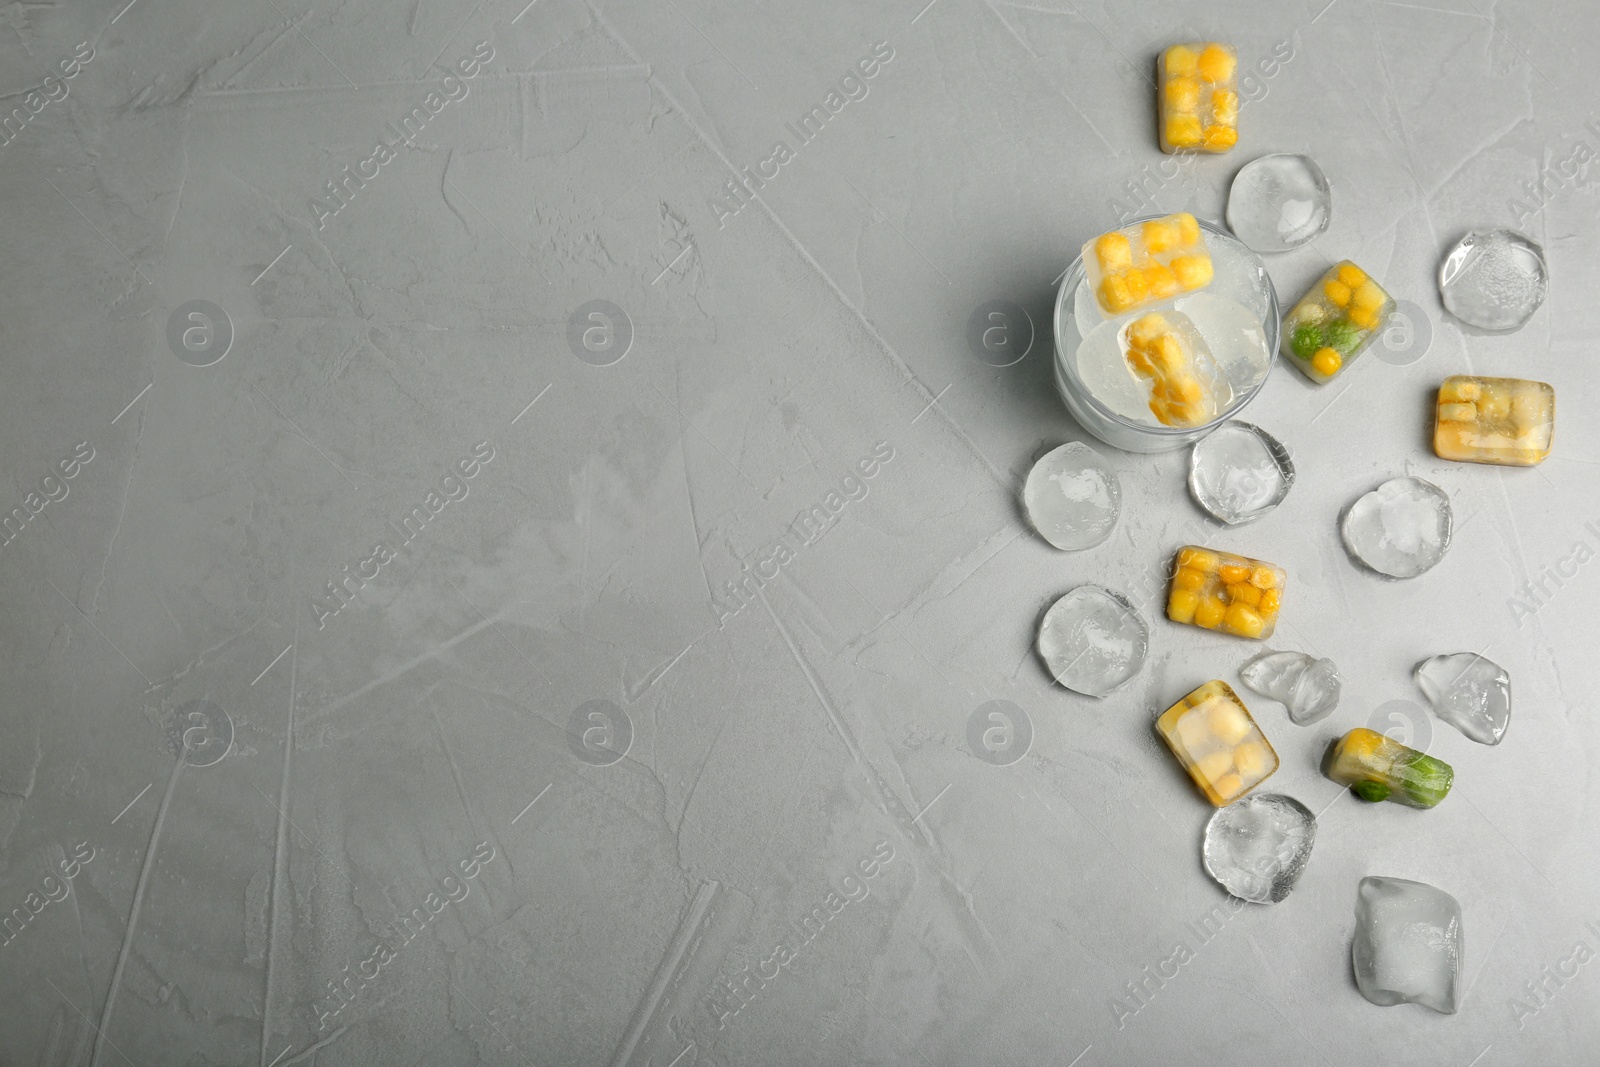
(1279,202)
(1257,847)
(1307,686)
(1493,279)
(1093,640)
(1469,692)
(1400,529)
(1073,497)
(1239,472)
(1407,948)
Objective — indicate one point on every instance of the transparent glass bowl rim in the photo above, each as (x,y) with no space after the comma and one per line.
(1273,324)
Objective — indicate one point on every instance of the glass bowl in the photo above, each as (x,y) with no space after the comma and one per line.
(1128,434)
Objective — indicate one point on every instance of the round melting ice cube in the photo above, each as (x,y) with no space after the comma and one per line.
(1073,497)
(1093,640)
(1400,529)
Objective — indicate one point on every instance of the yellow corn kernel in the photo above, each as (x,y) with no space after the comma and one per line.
(1494,404)
(1234,573)
(1251,759)
(1183,94)
(1189,578)
(1244,621)
(1114,294)
(1264,578)
(1337,292)
(1193,271)
(1458,390)
(1146,329)
(1138,284)
(1327,362)
(1225,107)
(1183,131)
(1228,788)
(1180,61)
(1160,235)
(1188,228)
(1163,282)
(1227,723)
(1367,295)
(1140,362)
(1198,558)
(1458,413)
(1181,605)
(1115,252)
(1269,603)
(1352,275)
(1190,392)
(1214,765)
(1168,353)
(1366,318)
(1210,612)
(1219,137)
(1163,412)
(1244,593)
(1216,63)
(1361,743)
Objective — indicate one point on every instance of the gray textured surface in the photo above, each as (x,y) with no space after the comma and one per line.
(775,745)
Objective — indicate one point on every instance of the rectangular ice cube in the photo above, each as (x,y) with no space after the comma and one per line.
(1218,743)
(1508,421)
(1199,99)
(1167,353)
(1408,944)
(1221,591)
(1147,263)
(1377,767)
(1335,321)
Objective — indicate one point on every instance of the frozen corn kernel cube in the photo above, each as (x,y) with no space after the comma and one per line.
(1218,743)
(1147,263)
(1509,421)
(1335,321)
(1166,353)
(1198,98)
(1221,591)
(1377,767)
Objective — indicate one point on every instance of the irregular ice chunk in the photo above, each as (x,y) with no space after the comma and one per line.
(1239,472)
(1279,202)
(1400,529)
(1494,279)
(1469,692)
(1257,847)
(1093,640)
(1407,947)
(1073,497)
(1307,686)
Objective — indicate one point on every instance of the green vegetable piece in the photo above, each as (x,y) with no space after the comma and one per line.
(1429,781)
(1373,791)
(1305,340)
(1342,336)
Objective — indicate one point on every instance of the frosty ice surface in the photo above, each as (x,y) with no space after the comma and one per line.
(1508,421)
(1093,640)
(1199,110)
(1400,529)
(1307,686)
(1377,767)
(1335,321)
(1469,692)
(1147,263)
(1221,591)
(1494,280)
(1239,472)
(1408,945)
(1171,359)
(1218,743)
(1257,848)
(1073,497)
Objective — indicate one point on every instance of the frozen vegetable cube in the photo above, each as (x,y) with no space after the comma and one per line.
(1221,591)
(1166,352)
(1198,98)
(1335,321)
(1508,421)
(1377,767)
(1147,263)
(1211,733)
